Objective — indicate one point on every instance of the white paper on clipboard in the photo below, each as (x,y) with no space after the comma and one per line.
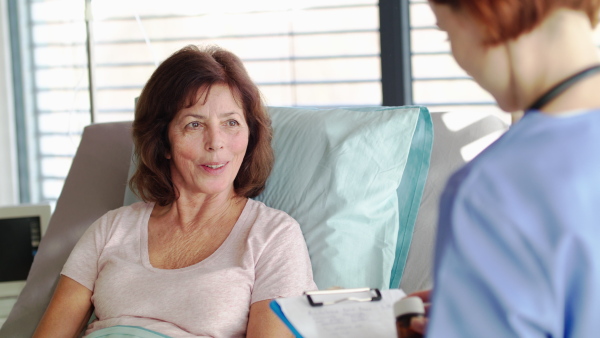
(346,319)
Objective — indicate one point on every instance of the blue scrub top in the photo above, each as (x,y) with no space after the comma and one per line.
(518,244)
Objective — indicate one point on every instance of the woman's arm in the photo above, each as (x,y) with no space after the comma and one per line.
(264,323)
(69,310)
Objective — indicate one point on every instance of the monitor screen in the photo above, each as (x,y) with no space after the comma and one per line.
(19,240)
(21,229)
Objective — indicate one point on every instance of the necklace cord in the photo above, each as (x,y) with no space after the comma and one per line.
(562,86)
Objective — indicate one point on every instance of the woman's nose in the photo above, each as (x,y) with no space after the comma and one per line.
(214,139)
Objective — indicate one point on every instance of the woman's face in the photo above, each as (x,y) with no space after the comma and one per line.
(208,143)
(487,65)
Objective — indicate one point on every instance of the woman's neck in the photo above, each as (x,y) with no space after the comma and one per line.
(188,213)
(559,47)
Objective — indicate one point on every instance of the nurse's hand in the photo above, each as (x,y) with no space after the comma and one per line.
(419,324)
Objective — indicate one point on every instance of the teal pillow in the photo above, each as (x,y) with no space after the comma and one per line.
(353,179)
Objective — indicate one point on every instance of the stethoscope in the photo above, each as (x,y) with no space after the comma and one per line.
(561,87)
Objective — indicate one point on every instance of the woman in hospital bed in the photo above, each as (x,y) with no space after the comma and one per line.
(198,257)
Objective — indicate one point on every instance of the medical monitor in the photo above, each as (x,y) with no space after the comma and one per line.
(21,230)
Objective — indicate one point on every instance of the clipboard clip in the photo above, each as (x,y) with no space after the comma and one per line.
(330,297)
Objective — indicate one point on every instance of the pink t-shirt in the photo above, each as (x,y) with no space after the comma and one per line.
(264,257)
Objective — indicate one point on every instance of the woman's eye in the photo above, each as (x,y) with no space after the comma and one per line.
(232,123)
(194,124)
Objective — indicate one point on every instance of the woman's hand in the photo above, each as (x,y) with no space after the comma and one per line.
(419,324)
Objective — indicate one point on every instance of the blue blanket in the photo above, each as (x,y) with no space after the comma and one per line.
(122,331)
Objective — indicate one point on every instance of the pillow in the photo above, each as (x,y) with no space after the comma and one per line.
(353,179)
(446,158)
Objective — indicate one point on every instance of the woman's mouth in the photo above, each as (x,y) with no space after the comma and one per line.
(214,166)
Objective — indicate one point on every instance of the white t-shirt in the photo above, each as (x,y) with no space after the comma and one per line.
(264,257)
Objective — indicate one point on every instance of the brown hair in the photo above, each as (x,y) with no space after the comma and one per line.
(504,20)
(173,86)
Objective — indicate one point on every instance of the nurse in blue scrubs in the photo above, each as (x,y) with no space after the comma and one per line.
(518,247)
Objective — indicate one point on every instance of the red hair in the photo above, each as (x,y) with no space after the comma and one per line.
(507,19)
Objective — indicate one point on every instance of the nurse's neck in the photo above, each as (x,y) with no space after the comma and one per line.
(559,47)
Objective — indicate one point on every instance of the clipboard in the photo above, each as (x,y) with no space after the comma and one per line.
(332,297)
(339,313)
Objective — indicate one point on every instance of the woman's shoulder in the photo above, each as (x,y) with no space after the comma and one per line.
(263,215)
(264,210)
(127,212)
(135,209)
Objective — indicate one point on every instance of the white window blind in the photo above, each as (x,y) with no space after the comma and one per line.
(300,53)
